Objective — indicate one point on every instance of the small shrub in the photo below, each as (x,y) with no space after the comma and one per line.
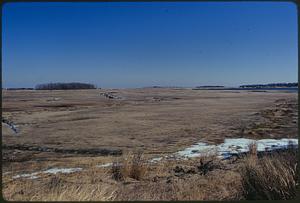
(132,166)
(137,167)
(208,163)
(117,171)
(253,149)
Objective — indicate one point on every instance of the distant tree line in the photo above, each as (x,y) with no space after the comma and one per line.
(19,88)
(210,86)
(64,86)
(293,84)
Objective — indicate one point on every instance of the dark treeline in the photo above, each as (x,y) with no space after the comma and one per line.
(293,84)
(210,86)
(64,86)
(19,88)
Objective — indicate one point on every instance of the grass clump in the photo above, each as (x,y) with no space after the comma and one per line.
(272,177)
(131,166)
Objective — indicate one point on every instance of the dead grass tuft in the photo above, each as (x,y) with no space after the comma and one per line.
(253,149)
(132,165)
(117,171)
(208,163)
(272,177)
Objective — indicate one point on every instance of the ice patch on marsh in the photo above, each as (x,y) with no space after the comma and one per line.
(62,170)
(271,144)
(109,164)
(27,175)
(157,159)
(225,150)
(48,171)
(196,150)
(104,165)
(235,146)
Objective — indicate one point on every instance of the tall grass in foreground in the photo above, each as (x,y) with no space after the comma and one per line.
(79,187)
(272,177)
(76,193)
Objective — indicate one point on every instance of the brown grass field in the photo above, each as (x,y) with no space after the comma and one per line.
(144,123)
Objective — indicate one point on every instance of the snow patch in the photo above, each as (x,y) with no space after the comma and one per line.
(235,146)
(104,165)
(196,150)
(27,175)
(48,171)
(62,170)
(225,150)
(157,159)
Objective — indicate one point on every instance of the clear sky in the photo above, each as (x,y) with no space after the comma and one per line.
(144,44)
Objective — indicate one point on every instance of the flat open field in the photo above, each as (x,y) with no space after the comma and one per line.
(155,120)
(85,128)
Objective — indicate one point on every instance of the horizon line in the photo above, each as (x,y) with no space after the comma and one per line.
(151,86)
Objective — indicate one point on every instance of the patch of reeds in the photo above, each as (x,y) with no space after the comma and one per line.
(132,165)
(271,177)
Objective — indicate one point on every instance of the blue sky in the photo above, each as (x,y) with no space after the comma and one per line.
(144,44)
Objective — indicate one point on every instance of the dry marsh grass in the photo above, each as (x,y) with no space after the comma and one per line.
(272,177)
(201,178)
(132,165)
(60,188)
(76,193)
(253,150)
(159,126)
